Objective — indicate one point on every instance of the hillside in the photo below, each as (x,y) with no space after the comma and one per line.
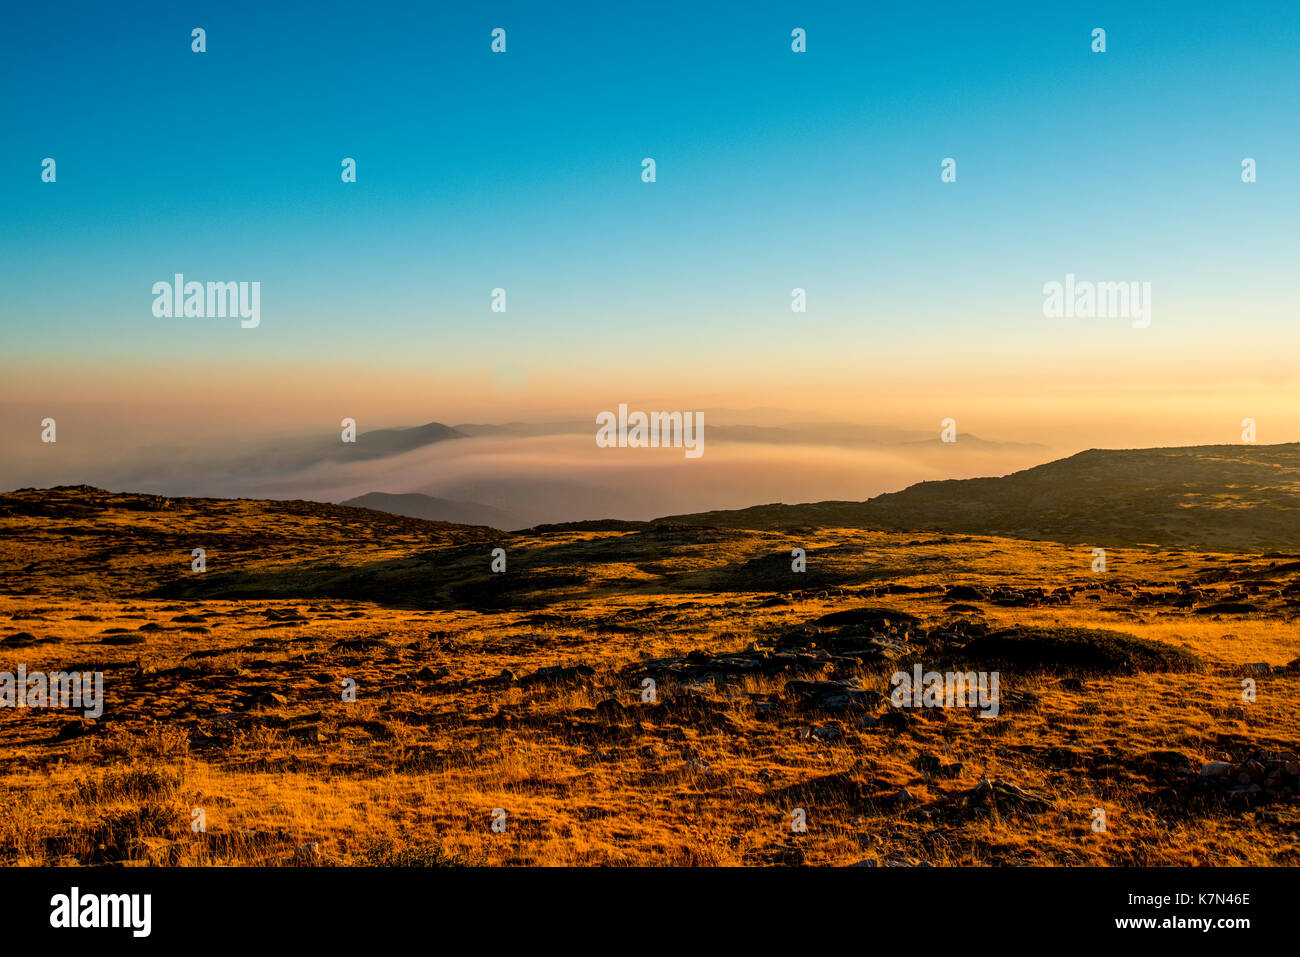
(430,508)
(80,541)
(525,690)
(1233,497)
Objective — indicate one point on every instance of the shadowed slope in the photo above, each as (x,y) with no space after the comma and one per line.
(1236,497)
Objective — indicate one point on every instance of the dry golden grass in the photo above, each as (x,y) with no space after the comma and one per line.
(412,771)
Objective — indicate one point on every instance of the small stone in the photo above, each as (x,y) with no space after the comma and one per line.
(74,728)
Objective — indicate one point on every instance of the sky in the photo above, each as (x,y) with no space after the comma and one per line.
(774,170)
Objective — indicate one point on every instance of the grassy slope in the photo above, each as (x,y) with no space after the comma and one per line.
(1233,497)
(414,768)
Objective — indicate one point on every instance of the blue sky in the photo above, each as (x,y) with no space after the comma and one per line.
(775,170)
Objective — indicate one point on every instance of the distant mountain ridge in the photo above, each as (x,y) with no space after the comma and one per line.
(1231,497)
(378,443)
(432,509)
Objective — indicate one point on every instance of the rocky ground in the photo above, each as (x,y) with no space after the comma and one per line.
(632,695)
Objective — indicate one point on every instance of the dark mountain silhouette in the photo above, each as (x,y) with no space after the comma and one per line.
(382,442)
(1232,497)
(417,505)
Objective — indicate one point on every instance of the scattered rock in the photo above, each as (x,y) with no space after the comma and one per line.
(612,711)
(831,696)
(293,615)
(267,699)
(896,720)
(306,734)
(934,767)
(1264,776)
(779,855)
(825,734)
(988,797)
(1088,649)
(74,728)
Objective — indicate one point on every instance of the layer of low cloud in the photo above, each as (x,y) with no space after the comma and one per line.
(545,478)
